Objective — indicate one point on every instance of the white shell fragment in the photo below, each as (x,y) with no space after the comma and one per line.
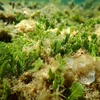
(88,79)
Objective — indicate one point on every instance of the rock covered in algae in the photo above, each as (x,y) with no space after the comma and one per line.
(83,67)
(26,26)
(7,15)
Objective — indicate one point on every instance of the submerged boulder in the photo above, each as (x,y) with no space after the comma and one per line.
(26,26)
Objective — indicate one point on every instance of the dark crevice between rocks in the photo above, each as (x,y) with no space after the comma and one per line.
(1,8)
(13,97)
(16,96)
(9,19)
(5,37)
(27,78)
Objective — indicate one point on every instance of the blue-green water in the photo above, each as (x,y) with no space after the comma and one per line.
(87,3)
(76,1)
(55,1)
(62,1)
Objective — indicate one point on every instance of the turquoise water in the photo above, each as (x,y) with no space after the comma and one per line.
(62,1)
(76,1)
(56,1)
(87,3)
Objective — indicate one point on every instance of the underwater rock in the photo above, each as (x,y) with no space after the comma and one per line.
(26,26)
(88,78)
(7,17)
(83,68)
(8,14)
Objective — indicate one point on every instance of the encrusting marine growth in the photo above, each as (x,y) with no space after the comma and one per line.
(49,51)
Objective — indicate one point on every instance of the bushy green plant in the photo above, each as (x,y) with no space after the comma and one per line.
(72,44)
(14,62)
